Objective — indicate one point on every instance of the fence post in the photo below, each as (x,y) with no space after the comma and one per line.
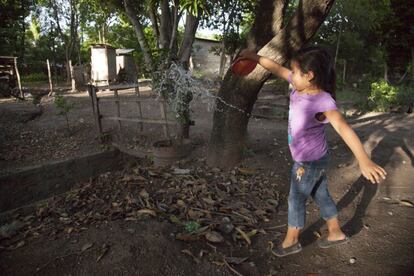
(95,108)
(118,108)
(18,78)
(72,76)
(49,74)
(139,106)
(164,115)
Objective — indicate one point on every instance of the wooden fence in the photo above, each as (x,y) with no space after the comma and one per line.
(117,99)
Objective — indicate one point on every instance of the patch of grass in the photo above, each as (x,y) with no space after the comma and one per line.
(35,77)
(351,95)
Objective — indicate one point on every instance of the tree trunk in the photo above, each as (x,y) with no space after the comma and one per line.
(23,40)
(191,24)
(173,42)
(412,64)
(229,124)
(103,34)
(165,25)
(140,35)
(270,15)
(337,45)
(223,60)
(67,64)
(344,73)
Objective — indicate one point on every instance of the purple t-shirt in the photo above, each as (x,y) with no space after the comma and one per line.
(306,135)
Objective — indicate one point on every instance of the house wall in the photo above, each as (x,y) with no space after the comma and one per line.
(205,61)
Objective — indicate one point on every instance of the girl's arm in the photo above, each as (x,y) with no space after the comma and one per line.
(267,63)
(369,169)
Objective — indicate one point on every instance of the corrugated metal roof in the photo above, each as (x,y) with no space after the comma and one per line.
(124,51)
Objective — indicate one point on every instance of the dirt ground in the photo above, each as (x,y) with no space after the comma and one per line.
(379,218)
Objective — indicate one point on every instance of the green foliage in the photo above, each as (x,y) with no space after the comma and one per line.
(178,92)
(105,138)
(64,107)
(195,7)
(13,25)
(371,33)
(35,29)
(233,19)
(405,95)
(192,226)
(384,97)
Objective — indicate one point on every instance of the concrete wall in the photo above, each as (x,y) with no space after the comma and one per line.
(35,183)
(205,61)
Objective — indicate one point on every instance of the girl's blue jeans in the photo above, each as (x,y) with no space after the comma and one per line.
(309,179)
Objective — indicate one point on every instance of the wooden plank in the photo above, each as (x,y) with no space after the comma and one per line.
(123,99)
(137,120)
(117,86)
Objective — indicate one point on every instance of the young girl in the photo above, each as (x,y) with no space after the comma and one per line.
(312,105)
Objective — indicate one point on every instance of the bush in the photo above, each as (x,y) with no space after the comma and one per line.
(384,97)
(405,95)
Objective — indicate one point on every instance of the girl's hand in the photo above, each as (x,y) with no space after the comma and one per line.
(247,54)
(372,171)
(266,63)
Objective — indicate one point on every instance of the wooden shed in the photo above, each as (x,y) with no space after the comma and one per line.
(103,64)
(126,68)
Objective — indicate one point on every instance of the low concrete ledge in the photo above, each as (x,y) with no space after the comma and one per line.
(31,184)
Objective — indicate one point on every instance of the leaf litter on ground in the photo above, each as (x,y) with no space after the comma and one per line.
(207,204)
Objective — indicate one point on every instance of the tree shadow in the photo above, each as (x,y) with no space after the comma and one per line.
(381,155)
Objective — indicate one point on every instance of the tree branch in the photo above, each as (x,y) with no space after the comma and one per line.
(140,34)
(191,24)
(269,19)
(175,25)
(154,22)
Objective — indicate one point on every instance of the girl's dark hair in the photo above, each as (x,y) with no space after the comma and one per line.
(319,61)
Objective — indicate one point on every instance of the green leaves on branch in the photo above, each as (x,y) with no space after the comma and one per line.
(195,7)
(63,107)
(384,97)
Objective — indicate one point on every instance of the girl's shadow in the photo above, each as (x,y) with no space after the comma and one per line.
(380,155)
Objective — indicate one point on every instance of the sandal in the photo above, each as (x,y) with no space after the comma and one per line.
(282,252)
(325,243)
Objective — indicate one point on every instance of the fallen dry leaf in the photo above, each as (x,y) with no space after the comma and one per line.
(147,211)
(244,235)
(214,237)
